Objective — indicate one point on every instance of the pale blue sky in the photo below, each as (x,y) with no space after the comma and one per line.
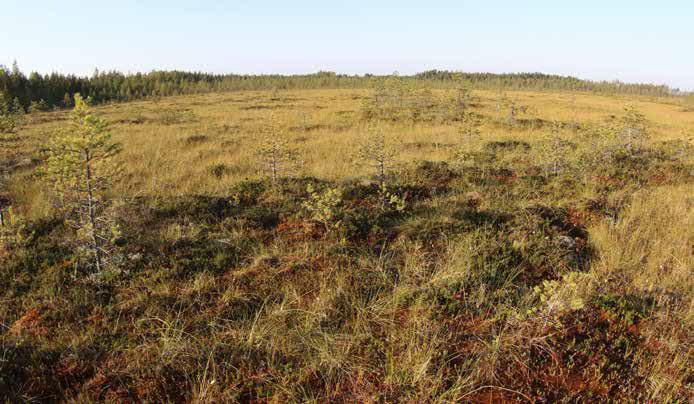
(645,41)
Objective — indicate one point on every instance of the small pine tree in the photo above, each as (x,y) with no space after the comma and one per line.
(276,95)
(67,100)
(469,129)
(396,92)
(324,207)
(632,129)
(8,120)
(277,157)
(379,153)
(38,106)
(393,99)
(598,151)
(688,103)
(16,107)
(555,150)
(463,97)
(514,111)
(461,102)
(420,102)
(501,102)
(80,166)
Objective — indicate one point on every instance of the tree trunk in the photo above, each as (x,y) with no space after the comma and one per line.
(91,206)
(382,182)
(274,167)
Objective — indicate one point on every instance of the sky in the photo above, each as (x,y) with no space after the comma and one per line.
(632,41)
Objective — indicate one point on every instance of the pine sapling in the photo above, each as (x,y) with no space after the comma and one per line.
(12,231)
(8,119)
(555,150)
(632,129)
(461,102)
(514,112)
(379,154)
(391,100)
(277,157)
(81,168)
(16,107)
(463,98)
(501,101)
(688,103)
(324,207)
(468,132)
(469,129)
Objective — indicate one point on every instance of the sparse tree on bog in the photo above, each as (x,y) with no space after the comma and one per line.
(379,153)
(469,129)
(38,106)
(501,101)
(277,157)
(324,207)
(688,103)
(16,107)
(555,150)
(67,100)
(632,129)
(599,151)
(463,97)
(7,126)
(80,166)
(512,108)
(395,99)
(8,120)
(514,111)
(461,102)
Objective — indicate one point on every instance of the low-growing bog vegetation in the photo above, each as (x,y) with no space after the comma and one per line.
(394,245)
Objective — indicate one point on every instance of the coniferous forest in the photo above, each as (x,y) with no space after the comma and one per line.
(54,90)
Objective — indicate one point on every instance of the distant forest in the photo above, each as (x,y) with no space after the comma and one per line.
(42,92)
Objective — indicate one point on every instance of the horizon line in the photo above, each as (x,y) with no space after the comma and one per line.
(353,74)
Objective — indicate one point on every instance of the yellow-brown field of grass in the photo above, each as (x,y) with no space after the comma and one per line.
(496,280)
(325,126)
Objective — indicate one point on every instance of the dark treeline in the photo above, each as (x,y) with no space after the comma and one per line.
(541,81)
(40,92)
